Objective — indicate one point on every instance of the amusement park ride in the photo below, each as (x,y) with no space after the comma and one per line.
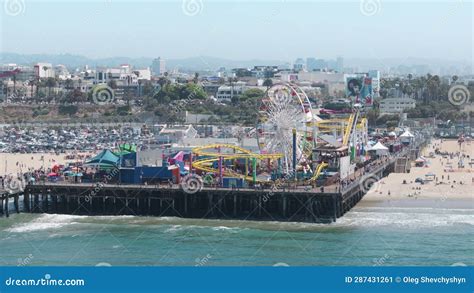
(293,145)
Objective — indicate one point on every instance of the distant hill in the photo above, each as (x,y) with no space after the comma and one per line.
(186,64)
(207,63)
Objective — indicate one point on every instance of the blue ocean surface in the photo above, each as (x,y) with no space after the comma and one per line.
(365,236)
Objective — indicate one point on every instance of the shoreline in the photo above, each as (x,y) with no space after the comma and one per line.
(451,186)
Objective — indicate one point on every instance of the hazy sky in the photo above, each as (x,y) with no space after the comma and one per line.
(240,29)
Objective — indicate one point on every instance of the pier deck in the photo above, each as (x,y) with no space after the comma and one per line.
(289,203)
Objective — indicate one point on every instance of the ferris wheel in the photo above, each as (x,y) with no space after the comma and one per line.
(285,108)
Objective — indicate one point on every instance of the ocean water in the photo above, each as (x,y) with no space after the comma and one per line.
(383,236)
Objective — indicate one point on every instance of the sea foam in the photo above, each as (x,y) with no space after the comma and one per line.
(45,222)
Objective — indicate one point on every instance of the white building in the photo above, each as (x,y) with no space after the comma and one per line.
(335,82)
(123,75)
(158,66)
(396,105)
(43,70)
(227,92)
(174,134)
(375,75)
(143,74)
(61,71)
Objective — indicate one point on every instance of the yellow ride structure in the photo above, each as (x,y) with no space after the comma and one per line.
(205,164)
(212,153)
(318,172)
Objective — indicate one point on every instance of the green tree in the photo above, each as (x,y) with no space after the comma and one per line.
(50,83)
(268,83)
(112,84)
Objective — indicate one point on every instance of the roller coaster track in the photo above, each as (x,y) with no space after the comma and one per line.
(351,125)
(205,164)
(318,171)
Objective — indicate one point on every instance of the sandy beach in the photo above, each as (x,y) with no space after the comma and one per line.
(18,163)
(452,186)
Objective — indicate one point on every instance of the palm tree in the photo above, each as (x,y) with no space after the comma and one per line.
(45,68)
(69,84)
(50,83)
(31,83)
(140,81)
(454,78)
(268,83)
(113,84)
(14,83)
(196,77)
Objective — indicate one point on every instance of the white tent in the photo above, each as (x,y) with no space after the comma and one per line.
(407,134)
(379,149)
(392,134)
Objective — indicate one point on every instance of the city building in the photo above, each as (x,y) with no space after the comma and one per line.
(264,71)
(299,65)
(158,66)
(43,70)
(375,75)
(61,71)
(334,82)
(311,64)
(19,72)
(143,74)
(227,92)
(339,64)
(210,88)
(396,105)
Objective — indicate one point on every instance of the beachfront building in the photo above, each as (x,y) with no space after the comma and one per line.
(396,105)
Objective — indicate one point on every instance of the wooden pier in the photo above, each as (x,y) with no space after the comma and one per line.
(317,205)
(284,204)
